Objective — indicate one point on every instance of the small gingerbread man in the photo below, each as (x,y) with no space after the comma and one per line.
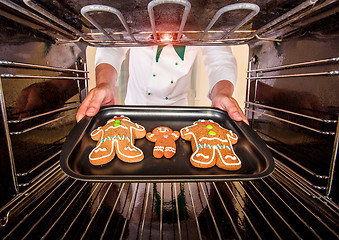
(164,139)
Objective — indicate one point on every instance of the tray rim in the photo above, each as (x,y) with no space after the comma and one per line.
(72,141)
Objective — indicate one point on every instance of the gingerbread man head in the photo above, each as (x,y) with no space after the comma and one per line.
(162,131)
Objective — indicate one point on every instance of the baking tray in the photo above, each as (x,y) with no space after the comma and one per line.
(257,161)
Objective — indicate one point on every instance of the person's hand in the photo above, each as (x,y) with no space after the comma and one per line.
(221,97)
(99,96)
(231,106)
(102,94)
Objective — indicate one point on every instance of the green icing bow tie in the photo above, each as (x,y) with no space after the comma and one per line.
(179,49)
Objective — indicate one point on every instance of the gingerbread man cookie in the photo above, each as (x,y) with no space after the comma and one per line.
(164,139)
(117,137)
(211,145)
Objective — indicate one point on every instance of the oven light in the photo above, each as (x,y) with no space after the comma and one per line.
(166,37)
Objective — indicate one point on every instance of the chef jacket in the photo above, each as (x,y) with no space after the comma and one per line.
(167,82)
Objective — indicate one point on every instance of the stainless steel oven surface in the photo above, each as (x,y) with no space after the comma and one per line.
(291,102)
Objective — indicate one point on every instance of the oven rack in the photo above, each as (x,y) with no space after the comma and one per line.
(265,107)
(201,210)
(254,108)
(63,32)
(32,191)
(15,125)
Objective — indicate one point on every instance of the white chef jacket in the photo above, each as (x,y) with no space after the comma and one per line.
(167,81)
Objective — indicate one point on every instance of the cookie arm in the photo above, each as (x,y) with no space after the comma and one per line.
(95,135)
(185,134)
(232,137)
(138,131)
(151,137)
(175,135)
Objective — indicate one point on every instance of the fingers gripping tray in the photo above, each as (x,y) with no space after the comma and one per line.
(256,159)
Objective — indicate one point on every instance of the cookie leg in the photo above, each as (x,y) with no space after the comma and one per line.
(170,149)
(128,152)
(228,160)
(158,151)
(169,152)
(103,153)
(203,157)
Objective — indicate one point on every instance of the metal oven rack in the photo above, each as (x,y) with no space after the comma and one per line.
(63,32)
(14,125)
(254,108)
(260,209)
(282,206)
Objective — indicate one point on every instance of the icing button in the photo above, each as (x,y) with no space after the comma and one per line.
(212,133)
(166,98)
(116,123)
(209,127)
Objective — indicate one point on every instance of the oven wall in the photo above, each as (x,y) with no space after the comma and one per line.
(27,149)
(309,152)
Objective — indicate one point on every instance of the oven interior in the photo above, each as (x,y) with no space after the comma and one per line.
(291,102)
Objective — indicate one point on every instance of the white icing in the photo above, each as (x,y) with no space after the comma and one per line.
(100,150)
(104,156)
(231,157)
(159,148)
(202,155)
(119,126)
(129,149)
(170,149)
(213,138)
(175,135)
(96,131)
(127,156)
(232,135)
(195,160)
(162,130)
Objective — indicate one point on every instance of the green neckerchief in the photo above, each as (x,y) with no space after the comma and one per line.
(179,49)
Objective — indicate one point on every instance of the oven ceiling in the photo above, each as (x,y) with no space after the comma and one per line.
(64,19)
(168,16)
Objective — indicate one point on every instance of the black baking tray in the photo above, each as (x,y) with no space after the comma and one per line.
(257,161)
